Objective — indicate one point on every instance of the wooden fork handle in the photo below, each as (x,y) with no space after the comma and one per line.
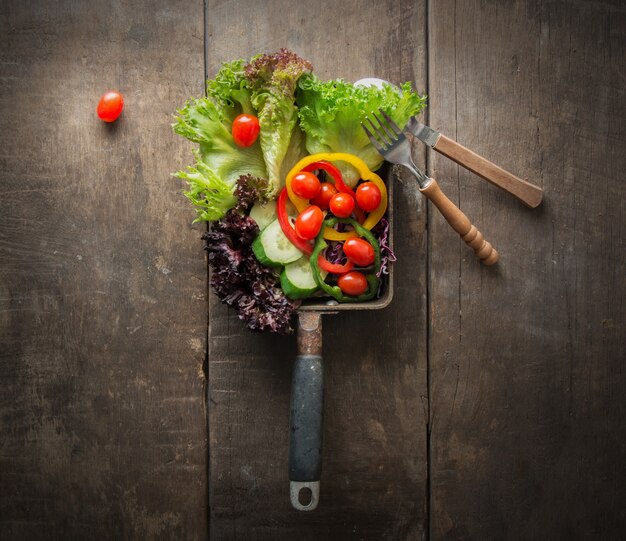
(527,193)
(460,223)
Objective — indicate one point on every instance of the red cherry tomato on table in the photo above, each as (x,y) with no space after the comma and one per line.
(360,251)
(110,106)
(322,199)
(352,283)
(368,196)
(341,205)
(245,129)
(306,185)
(309,222)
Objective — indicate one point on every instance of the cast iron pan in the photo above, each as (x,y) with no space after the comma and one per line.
(307,389)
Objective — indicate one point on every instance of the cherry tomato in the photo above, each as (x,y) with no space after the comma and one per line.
(342,205)
(309,222)
(110,106)
(360,251)
(352,283)
(322,199)
(306,185)
(368,196)
(246,129)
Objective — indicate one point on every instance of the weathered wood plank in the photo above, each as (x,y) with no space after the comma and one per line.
(102,281)
(374,478)
(528,388)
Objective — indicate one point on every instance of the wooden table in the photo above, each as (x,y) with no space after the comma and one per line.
(484,403)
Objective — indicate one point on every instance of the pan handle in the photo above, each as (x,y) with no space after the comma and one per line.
(307,414)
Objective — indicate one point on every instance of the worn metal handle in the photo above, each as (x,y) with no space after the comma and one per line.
(307,415)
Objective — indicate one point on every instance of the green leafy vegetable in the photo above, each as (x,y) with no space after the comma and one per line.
(220,162)
(211,196)
(251,190)
(240,281)
(273,79)
(331,113)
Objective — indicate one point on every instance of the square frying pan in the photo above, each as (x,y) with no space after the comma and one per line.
(307,388)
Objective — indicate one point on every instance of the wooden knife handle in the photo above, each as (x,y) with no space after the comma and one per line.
(461,224)
(527,193)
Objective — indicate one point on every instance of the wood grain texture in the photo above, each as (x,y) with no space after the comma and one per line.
(526,192)
(374,460)
(102,280)
(528,387)
(460,223)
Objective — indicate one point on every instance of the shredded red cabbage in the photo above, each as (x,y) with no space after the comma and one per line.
(334,253)
(240,281)
(381,232)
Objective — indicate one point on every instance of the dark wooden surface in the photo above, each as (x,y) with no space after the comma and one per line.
(374,473)
(103,282)
(527,365)
(482,404)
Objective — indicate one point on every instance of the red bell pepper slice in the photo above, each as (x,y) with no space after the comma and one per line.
(334,268)
(333,172)
(283,219)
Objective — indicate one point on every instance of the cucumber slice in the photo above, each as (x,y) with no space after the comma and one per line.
(297,280)
(264,214)
(273,248)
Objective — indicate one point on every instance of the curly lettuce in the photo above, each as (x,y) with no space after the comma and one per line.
(240,281)
(331,113)
(273,79)
(219,162)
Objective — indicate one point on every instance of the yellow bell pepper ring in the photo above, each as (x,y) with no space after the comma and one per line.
(372,219)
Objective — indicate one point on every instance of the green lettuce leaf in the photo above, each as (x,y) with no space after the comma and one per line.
(331,113)
(211,196)
(273,79)
(220,162)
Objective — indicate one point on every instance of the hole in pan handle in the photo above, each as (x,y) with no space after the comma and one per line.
(307,414)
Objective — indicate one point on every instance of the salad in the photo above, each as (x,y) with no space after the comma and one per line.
(287,178)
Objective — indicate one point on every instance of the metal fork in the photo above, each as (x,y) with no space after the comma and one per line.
(389,140)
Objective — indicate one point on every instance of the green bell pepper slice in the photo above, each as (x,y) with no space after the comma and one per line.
(334,291)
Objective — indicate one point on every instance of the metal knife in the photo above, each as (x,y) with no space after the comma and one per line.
(527,193)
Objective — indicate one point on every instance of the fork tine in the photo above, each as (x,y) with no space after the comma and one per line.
(391,123)
(392,136)
(373,139)
(380,134)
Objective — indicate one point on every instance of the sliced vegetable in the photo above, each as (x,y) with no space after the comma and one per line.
(342,205)
(365,174)
(360,251)
(285,224)
(245,130)
(335,291)
(331,113)
(273,248)
(309,222)
(240,281)
(333,172)
(352,283)
(368,196)
(381,232)
(263,214)
(296,279)
(334,268)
